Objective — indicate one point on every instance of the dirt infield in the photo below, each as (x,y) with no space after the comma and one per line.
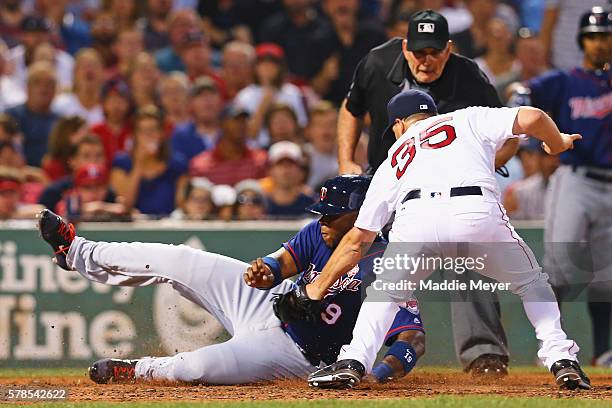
(419,384)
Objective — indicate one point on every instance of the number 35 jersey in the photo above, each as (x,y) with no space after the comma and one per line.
(456,149)
(324,337)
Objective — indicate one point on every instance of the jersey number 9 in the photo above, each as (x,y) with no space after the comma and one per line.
(331,314)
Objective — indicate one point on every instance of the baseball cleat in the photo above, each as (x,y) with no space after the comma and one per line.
(112,370)
(339,375)
(58,233)
(489,365)
(569,375)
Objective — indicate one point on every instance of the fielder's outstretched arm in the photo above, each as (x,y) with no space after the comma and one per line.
(537,123)
(353,246)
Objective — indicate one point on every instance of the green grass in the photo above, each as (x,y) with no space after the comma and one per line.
(443,401)
(42,372)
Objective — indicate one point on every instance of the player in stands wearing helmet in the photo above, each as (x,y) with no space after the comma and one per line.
(261,347)
(579,204)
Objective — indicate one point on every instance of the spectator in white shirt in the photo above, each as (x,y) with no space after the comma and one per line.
(84,101)
(270,86)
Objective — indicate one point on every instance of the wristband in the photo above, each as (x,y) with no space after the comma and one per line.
(404,352)
(276,270)
(382,372)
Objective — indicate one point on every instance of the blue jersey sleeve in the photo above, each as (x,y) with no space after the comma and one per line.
(546,90)
(407,318)
(303,244)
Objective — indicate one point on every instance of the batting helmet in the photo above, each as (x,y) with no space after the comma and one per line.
(341,194)
(596,20)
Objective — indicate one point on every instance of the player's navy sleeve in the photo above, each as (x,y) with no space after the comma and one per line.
(546,90)
(303,244)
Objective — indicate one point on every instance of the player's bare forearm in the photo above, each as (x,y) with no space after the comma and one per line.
(505,153)
(345,256)
(537,123)
(259,275)
(349,130)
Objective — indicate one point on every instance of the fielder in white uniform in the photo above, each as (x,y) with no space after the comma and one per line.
(439,179)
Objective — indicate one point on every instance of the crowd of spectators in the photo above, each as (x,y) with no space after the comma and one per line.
(115,109)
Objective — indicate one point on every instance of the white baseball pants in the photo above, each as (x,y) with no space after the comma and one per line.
(433,227)
(259,349)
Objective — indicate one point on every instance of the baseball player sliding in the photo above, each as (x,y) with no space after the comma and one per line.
(439,179)
(261,347)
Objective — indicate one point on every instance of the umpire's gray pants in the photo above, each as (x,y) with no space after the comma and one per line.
(578,235)
(477,327)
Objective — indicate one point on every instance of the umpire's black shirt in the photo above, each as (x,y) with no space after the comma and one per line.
(384,72)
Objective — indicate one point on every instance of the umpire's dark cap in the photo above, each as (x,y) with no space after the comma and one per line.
(341,195)
(427,29)
(408,103)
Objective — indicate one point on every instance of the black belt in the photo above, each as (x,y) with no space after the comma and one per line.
(606,178)
(454,192)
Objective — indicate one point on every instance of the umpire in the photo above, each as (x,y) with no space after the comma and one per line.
(424,61)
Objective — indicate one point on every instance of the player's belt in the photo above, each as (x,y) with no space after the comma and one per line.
(454,192)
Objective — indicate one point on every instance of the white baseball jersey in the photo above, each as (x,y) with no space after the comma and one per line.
(444,151)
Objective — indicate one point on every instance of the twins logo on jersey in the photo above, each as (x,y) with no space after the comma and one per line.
(348,281)
(591,108)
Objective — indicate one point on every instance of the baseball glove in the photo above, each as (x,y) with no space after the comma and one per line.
(296,305)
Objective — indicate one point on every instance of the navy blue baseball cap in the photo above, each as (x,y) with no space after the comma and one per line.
(341,195)
(408,103)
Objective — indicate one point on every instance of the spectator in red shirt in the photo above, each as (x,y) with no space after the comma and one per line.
(116,129)
(11,182)
(231,160)
(65,134)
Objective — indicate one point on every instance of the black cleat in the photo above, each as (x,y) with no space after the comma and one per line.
(569,375)
(339,375)
(113,370)
(489,365)
(58,233)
